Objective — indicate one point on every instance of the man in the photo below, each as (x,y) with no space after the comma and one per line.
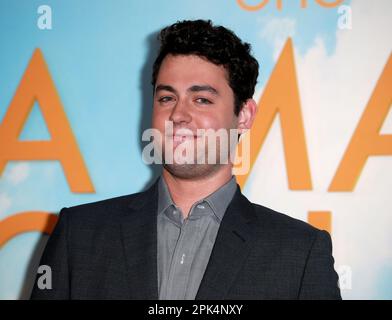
(192,235)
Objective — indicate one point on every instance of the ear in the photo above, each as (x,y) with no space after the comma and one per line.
(246,116)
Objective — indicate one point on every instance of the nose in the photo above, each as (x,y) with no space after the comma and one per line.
(180,113)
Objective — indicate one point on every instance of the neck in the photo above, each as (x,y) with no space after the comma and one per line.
(185,192)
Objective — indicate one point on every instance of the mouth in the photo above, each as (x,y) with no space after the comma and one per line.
(182,134)
(182,138)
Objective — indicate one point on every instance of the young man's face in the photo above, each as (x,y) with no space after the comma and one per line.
(192,93)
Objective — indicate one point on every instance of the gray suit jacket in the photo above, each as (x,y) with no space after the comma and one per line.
(108,250)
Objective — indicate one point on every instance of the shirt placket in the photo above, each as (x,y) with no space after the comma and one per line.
(182,260)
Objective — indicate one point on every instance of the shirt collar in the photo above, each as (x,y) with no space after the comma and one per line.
(164,197)
(219,200)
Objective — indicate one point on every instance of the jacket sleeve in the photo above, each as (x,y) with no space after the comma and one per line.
(55,259)
(320,280)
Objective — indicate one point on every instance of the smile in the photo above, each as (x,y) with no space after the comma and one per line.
(180,137)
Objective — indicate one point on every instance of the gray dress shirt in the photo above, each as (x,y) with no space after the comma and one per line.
(185,245)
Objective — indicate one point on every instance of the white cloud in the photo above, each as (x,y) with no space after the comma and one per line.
(18,173)
(5,204)
(276,31)
(334,91)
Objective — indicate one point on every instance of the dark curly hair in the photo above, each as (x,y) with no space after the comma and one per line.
(216,44)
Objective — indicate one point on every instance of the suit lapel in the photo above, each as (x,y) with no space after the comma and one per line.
(139,235)
(231,248)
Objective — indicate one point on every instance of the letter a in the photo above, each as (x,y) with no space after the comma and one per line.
(366,140)
(281,97)
(37,84)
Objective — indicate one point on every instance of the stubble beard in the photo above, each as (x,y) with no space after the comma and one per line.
(192,171)
(196,170)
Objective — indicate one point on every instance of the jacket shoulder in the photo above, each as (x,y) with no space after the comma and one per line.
(104,211)
(103,205)
(283,225)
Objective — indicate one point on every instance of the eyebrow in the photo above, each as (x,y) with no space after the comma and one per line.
(163,87)
(194,88)
(198,88)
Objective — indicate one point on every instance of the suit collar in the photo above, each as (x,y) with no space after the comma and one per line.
(232,246)
(139,235)
(218,201)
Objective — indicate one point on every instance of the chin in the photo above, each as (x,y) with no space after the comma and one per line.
(191,171)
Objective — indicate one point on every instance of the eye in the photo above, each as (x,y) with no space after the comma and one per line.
(165,99)
(203,101)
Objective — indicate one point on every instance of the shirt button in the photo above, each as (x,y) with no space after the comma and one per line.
(182,258)
(200,206)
